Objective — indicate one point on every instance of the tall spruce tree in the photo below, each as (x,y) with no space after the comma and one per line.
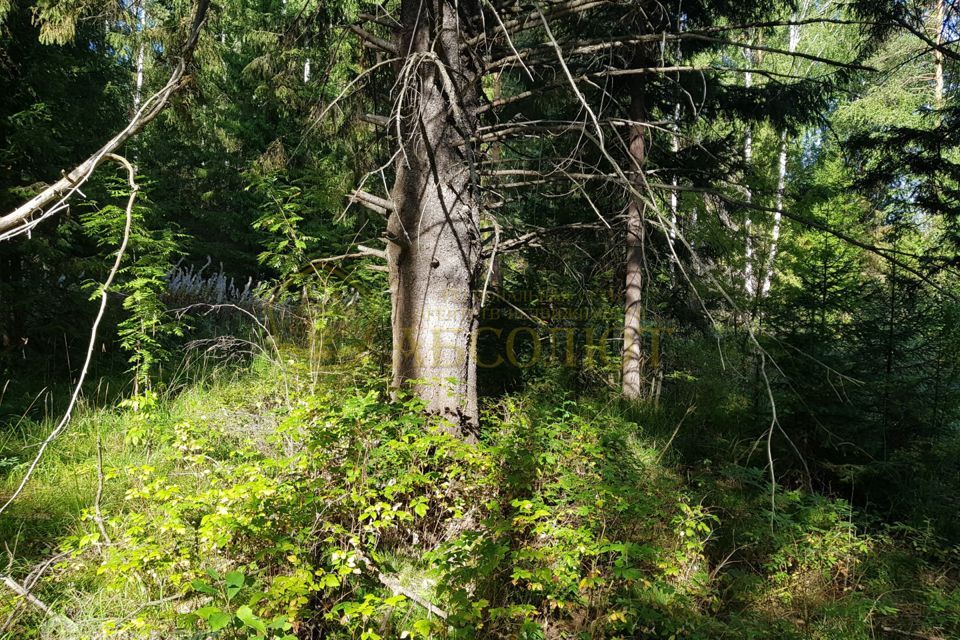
(608,92)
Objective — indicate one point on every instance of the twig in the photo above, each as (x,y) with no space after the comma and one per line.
(131,178)
(690,410)
(394,585)
(21,591)
(218,307)
(372,202)
(532,236)
(493,259)
(364,252)
(570,78)
(796,54)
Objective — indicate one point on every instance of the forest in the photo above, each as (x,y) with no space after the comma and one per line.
(480,319)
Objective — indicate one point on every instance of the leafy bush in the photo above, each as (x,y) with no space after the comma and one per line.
(348,516)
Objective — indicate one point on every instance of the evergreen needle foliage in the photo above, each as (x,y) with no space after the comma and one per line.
(481,319)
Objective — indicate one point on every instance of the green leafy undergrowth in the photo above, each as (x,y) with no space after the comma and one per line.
(348,516)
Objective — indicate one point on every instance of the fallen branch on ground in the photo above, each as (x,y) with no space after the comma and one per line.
(398,589)
(36,602)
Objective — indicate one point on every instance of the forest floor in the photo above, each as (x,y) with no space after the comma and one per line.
(269,503)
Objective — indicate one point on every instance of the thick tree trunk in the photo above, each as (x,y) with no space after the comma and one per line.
(633,355)
(434,232)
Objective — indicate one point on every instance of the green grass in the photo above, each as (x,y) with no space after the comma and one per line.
(57,500)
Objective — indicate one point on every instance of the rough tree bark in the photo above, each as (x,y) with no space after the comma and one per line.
(434,248)
(633,356)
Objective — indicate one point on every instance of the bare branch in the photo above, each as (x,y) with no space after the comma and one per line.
(785,52)
(91,345)
(374,41)
(573,80)
(372,202)
(379,121)
(551,11)
(531,127)
(36,602)
(532,237)
(558,175)
(387,20)
(97,513)
(943,48)
(25,217)
(364,252)
(819,226)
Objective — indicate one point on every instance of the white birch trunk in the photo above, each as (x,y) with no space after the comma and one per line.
(672,232)
(940,22)
(141,24)
(777,217)
(781,187)
(749,284)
